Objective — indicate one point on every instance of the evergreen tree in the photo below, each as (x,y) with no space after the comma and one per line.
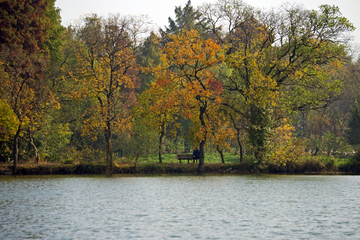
(186,18)
(149,57)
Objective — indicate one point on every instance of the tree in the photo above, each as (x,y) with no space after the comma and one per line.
(281,61)
(106,54)
(53,137)
(25,30)
(186,19)
(141,143)
(222,131)
(25,24)
(149,56)
(25,89)
(189,61)
(157,108)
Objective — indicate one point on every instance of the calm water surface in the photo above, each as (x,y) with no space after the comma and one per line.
(182,207)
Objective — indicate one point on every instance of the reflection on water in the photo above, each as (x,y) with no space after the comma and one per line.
(184,207)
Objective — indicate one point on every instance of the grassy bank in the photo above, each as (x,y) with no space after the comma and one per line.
(310,164)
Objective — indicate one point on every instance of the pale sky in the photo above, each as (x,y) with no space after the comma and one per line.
(160,10)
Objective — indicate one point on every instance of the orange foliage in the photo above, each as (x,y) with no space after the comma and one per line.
(187,74)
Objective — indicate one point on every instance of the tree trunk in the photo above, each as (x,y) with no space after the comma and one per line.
(221,153)
(241,153)
(162,133)
(31,141)
(37,156)
(136,161)
(201,166)
(16,150)
(160,144)
(109,153)
(240,146)
(122,149)
(160,157)
(258,154)
(238,138)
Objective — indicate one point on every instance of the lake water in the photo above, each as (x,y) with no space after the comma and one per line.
(181,207)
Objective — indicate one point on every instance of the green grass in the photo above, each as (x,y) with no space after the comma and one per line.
(172,158)
(150,165)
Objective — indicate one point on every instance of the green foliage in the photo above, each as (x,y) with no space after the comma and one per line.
(55,41)
(141,142)
(353,133)
(149,57)
(279,67)
(53,137)
(272,71)
(185,19)
(260,131)
(351,164)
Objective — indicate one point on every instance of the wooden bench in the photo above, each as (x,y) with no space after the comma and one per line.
(186,157)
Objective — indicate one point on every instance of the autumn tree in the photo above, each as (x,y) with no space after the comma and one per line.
(222,131)
(25,31)
(188,64)
(238,124)
(106,54)
(280,61)
(25,24)
(25,89)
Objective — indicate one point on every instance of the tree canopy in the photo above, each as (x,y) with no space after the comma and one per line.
(221,76)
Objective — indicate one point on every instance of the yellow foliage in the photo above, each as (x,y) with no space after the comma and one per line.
(8,122)
(105,74)
(285,148)
(190,84)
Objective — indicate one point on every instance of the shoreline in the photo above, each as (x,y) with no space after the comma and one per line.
(156,168)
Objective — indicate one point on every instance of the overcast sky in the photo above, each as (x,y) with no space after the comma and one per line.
(160,10)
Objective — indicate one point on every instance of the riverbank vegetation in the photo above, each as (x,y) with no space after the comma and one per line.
(256,90)
(170,165)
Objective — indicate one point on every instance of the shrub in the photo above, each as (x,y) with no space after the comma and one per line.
(312,164)
(351,165)
(285,148)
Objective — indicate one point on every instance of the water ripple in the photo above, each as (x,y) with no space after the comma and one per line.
(180,207)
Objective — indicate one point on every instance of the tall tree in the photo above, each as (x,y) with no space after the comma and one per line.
(190,61)
(27,24)
(185,19)
(149,56)
(24,31)
(25,89)
(106,52)
(281,61)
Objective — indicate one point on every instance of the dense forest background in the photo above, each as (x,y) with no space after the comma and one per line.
(242,84)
